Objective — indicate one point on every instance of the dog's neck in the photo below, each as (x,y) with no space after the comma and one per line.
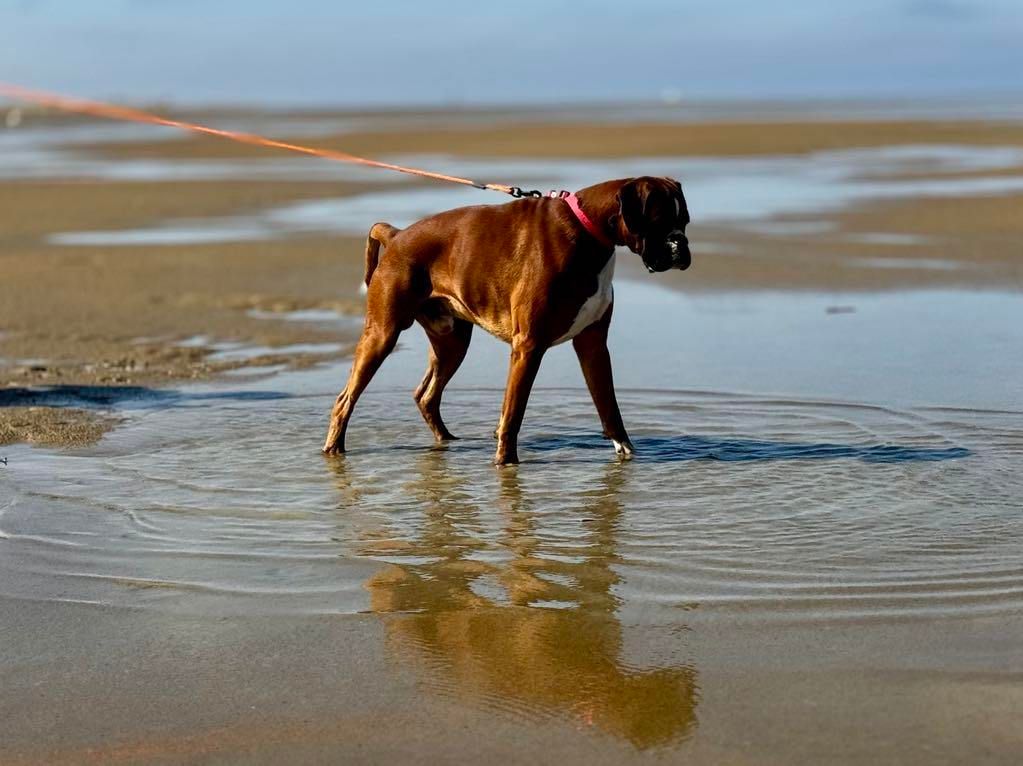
(600,203)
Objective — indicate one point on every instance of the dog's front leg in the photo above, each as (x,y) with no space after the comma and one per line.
(527,353)
(595,360)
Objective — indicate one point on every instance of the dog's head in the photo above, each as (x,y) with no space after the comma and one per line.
(652,219)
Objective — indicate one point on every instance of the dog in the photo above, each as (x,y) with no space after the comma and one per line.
(534,272)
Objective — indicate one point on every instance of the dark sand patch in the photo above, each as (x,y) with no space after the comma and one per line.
(53,426)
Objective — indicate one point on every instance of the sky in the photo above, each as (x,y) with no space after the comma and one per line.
(456,52)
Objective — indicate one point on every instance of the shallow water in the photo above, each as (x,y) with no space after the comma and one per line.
(882,482)
(809,462)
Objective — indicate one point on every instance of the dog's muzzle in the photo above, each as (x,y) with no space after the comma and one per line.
(678,246)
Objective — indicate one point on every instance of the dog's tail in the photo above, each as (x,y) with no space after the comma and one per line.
(379,234)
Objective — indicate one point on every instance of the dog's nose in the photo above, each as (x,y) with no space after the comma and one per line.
(678,246)
(677,242)
(680,255)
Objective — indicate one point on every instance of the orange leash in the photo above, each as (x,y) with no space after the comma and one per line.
(110,111)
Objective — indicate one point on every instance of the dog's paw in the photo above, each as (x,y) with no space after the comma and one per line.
(505,460)
(623,449)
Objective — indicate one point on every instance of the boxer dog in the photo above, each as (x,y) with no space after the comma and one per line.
(533,272)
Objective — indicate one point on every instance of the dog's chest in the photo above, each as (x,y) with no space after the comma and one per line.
(593,308)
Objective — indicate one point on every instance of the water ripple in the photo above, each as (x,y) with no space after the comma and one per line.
(735,506)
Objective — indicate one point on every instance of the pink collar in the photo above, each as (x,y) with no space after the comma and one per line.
(587,222)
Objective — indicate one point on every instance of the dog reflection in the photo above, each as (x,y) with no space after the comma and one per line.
(516,622)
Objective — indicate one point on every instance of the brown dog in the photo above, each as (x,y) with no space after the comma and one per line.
(532,272)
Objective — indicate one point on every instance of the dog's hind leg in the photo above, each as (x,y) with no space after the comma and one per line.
(449,341)
(386,316)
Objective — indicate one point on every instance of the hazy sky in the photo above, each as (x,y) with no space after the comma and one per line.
(457,51)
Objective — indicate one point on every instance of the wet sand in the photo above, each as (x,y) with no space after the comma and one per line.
(235,701)
(814,557)
(116,318)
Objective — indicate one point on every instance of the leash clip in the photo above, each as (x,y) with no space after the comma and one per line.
(517,192)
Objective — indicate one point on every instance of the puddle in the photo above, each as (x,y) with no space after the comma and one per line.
(255,371)
(934,264)
(46,164)
(792,465)
(235,351)
(196,341)
(55,151)
(314,316)
(789,228)
(888,239)
(238,352)
(749,191)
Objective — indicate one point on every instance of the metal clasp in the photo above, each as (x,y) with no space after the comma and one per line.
(517,192)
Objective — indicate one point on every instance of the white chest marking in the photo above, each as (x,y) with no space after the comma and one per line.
(593,308)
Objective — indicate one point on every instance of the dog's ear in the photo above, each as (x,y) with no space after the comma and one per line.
(631,204)
(631,213)
(673,182)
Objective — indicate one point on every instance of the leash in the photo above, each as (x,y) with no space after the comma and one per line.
(126,114)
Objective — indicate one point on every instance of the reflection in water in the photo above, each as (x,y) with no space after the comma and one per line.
(528,625)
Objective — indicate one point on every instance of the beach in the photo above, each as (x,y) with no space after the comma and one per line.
(79,312)
(814,556)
